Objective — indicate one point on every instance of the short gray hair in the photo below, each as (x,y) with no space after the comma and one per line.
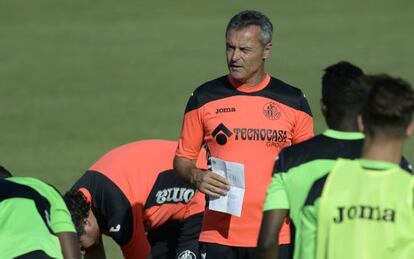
(251,17)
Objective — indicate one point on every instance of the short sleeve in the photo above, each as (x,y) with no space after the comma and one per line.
(276,196)
(303,129)
(192,131)
(60,218)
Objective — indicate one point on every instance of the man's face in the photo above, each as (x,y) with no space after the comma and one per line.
(92,234)
(245,53)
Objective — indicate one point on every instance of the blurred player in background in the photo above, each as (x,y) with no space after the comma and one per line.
(133,195)
(298,166)
(245,117)
(34,221)
(366,209)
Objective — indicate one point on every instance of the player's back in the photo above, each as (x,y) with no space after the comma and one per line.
(143,171)
(366,211)
(136,165)
(134,189)
(31,214)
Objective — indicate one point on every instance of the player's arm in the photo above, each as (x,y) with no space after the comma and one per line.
(62,225)
(189,145)
(206,181)
(272,222)
(69,244)
(275,211)
(138,245)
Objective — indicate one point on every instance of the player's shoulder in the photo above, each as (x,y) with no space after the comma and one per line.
(212,86)
(307,148)
(33,187)
(316,148)
(30,182)
(285,88)
(287,94)
(215,89)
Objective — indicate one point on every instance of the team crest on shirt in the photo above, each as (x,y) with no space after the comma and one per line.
(271,111)
(187,254)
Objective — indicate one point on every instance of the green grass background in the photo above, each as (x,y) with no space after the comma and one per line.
(80,77)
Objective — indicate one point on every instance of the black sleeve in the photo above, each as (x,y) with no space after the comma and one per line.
(110,206)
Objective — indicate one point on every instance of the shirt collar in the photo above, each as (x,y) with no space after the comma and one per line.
(376,165)
(346,135)
(250,89)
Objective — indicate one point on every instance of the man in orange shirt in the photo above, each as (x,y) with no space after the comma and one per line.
(133,195)
(245,117)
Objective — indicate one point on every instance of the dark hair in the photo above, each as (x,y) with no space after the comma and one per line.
(343,93)
(251,17)
(79,208)
(4,173)
(389,107)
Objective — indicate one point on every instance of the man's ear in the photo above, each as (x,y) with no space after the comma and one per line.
(410,130)
(360,123)
(324,108)
(267,50)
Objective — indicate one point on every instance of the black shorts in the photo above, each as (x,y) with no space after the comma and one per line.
(217,251)
(176,239)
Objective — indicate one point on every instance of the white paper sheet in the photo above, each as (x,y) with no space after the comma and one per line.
(232,202)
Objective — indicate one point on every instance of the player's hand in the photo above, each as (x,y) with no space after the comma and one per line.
(211,184)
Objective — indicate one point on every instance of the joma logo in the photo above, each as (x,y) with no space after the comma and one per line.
(364,212)
(223,110)
(174,195)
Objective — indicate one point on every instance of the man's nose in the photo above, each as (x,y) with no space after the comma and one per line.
(236,55)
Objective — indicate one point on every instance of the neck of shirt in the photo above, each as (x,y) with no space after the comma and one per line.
(249,89)
(351,135)
(376,164)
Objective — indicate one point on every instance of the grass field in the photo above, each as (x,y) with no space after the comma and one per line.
(78,78)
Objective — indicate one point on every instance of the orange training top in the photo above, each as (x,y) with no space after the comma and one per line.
(134,189)
(248,126)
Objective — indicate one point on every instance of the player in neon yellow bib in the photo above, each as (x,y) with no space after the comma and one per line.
(299,165)
(34,221)
(365,208)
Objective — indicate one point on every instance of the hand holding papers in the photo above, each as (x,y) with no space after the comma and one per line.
(232,202)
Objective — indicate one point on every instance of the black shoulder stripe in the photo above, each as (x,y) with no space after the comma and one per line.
(316,190)
(286,94)
(318,147)
(220,88)
(213,90)
(9,189)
